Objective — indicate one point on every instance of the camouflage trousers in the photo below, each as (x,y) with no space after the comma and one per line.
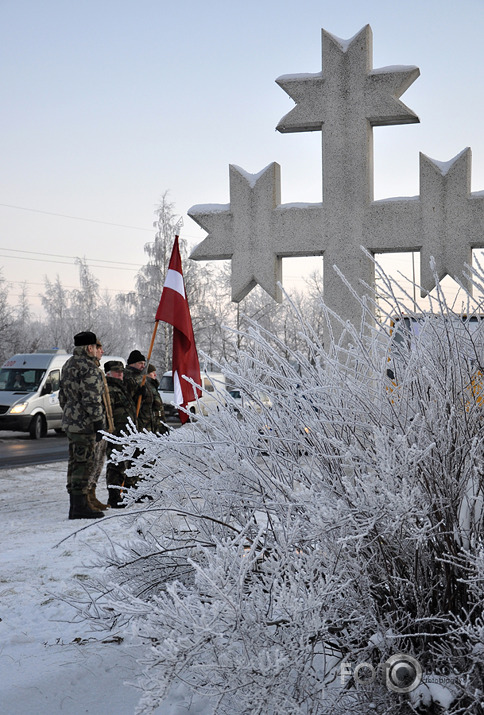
(80,464)
(98,462)
(116,471)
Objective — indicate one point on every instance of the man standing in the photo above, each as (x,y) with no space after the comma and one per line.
(157,410)
(133,378)
(100,447)
(80,397)
(123,409)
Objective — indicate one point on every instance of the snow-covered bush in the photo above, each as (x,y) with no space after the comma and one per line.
(291,549)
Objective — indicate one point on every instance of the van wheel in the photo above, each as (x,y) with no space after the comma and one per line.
(37,427)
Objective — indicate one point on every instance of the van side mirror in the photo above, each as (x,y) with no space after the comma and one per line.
(47,389)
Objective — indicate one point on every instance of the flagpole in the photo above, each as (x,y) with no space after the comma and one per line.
(138,407)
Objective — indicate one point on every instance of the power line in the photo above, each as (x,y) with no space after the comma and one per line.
(70,287)
(117,265)
(60,255)
(75,218)
(82,218)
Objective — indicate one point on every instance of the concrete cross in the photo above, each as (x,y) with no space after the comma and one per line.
(344,101)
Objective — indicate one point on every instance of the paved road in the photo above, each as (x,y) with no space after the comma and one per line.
(18,450)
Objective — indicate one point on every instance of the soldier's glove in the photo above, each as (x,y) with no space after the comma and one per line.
(97,427)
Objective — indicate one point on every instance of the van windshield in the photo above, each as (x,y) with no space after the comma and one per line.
(20,379)
(166,384)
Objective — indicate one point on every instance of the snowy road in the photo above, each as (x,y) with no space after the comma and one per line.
(48,663)
(17,449)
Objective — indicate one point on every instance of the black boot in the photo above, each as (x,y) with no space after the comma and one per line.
(79,508)
(115,500)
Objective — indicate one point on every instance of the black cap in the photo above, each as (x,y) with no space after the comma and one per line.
(86,338)
(136,356)
(151,368)
(115,365)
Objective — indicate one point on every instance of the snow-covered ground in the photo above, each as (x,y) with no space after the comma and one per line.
(49,663)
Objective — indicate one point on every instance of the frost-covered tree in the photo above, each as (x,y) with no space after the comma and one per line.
(85,299)
(213,312)
(68,312)
(204,285)
(115,325)
(6,319)
(56,301)
(149,284)
(292,549)
(26,334)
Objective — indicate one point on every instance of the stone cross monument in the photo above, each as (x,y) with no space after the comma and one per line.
(344,102)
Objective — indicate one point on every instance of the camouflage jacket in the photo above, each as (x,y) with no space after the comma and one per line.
(157,410)
(107,410)
(122,405)
(132,382)
(80,393)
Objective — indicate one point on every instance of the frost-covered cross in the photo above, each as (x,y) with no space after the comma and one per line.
(344,101)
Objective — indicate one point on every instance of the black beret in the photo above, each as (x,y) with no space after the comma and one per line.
(85,339)
(136,356)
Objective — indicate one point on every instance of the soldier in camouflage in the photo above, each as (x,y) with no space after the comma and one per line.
(100,447)
(157,410)
(133,381)
(80,397)
(123,409)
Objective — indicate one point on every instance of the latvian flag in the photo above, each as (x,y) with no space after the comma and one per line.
(173,309)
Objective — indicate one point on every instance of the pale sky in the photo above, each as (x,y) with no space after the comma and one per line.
(106,105)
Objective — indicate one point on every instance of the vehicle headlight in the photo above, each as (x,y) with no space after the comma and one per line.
(17,409)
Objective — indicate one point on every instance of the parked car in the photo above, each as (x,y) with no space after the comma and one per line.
(213,389)
(257,401)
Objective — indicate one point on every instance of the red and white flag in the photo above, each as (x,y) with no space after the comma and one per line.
(173,309)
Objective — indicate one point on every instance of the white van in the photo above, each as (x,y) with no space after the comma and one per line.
(29,391)
(208,402)
(167,394)
(214,391)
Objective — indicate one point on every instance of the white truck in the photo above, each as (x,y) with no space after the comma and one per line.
(29,391)
(213,386)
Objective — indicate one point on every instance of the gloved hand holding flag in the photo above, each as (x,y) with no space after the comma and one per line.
(173,309)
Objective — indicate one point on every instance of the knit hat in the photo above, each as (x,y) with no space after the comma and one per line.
(115,365)
(135,356)
(151,368)
(86,338)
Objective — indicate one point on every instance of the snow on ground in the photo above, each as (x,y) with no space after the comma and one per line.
(50,664)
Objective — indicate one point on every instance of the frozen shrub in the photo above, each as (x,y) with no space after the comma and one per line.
(336,524)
